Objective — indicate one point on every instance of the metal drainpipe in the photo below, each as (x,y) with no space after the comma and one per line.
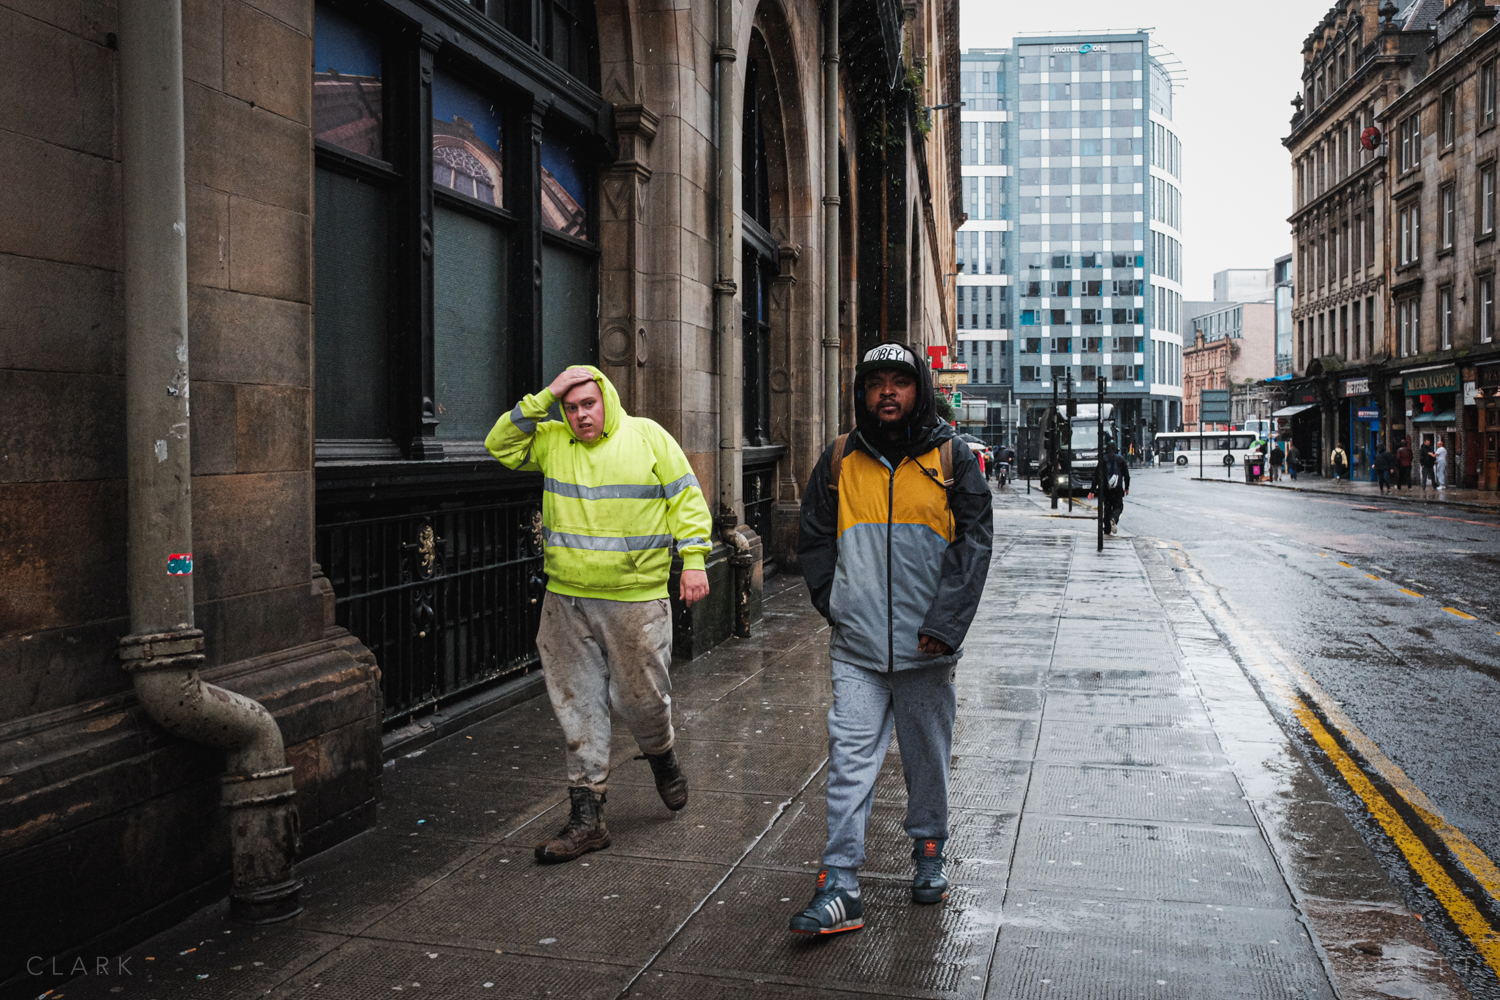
(725,287)
(832,376)
(741,559)
(164,650)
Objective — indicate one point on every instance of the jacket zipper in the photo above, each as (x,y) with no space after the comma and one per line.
(890,622)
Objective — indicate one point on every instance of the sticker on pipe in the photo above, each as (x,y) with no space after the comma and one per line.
(180,564)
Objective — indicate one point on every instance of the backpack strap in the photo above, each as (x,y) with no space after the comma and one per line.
(945,461)
(836,462)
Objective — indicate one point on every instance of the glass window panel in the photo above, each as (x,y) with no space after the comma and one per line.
(466,141)
(471,324)
(564,191)
(350,237)
(347,103)
(568,307)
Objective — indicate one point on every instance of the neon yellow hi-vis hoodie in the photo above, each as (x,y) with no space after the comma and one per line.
(612,508)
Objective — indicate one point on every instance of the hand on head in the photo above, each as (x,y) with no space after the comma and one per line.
(567,379)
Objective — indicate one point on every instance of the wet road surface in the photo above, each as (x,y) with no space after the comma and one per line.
(1390,613)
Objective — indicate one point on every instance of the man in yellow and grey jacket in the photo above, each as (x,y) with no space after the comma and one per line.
(618,497)
(895,545)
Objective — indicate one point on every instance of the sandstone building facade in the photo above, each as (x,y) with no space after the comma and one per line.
(400,215)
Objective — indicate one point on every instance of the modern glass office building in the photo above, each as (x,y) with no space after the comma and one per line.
(985,290)
(1083,209)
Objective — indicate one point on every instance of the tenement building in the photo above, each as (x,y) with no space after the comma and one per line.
(1340,224)
(1442,379)
(273,268)
(1098,254)
(1233,347)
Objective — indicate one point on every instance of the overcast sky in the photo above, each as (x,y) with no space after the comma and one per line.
(1242,66)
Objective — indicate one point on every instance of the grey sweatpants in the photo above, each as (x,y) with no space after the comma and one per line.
(921,703)
(598,654)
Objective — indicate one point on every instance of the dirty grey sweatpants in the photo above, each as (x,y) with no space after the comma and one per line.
(922,704)
(598,654)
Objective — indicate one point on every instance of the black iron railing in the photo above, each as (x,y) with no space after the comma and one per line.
(760,492)
(447,599)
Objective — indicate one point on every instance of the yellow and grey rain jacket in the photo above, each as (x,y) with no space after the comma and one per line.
(892,554)
(612,508)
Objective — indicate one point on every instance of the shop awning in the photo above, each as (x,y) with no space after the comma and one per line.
(1292,411)
(1446,417)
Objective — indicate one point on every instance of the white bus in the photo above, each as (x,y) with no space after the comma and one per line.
(1218,448)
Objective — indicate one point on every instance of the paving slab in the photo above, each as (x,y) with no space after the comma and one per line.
(1095,947)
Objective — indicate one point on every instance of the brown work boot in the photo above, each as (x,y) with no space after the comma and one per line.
(585,830)
(670,784)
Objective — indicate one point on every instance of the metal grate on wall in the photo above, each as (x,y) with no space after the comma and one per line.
(448,599)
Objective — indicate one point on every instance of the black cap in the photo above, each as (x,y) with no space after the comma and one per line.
(891,355)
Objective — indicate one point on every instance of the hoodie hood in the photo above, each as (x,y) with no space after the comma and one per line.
(923,428)
(613,411)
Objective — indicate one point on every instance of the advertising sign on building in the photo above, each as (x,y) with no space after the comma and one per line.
(1367,414)
(1356,387)
(1487,376)
(1426,383)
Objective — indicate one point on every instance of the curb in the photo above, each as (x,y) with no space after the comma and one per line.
(1388,497)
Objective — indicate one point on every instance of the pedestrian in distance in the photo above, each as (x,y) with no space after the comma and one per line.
(1293,460)
(618,496)
(1427,459)
(1278,457)
(1340,463)
(1403,464)
(895,545)
(1440,464)
(1385,463)
(1113,490)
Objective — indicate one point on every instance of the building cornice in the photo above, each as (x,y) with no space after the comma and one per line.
(1343,296)
(1321,202)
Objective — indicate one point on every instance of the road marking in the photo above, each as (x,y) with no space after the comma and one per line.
(1372,576)
(1413,593)
(1345,565)
(1462,614)
(1239,626)
(1459,907)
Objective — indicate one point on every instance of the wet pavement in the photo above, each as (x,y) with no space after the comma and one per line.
(1382,613)
(1479,500)
(1129,820)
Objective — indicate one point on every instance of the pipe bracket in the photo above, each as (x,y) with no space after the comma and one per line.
(178,650)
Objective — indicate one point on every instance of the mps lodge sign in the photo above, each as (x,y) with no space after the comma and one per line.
(1427,383)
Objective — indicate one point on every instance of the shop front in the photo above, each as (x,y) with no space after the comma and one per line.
(1358,426)
(1300,424)
(1487,405)
(1431,411)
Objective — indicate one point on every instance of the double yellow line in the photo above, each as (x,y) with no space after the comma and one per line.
(1464,913)
(1297,694)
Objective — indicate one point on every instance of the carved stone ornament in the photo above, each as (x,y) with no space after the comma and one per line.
(615,347)
(781,381)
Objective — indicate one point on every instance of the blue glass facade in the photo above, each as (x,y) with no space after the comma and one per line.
(1088,209)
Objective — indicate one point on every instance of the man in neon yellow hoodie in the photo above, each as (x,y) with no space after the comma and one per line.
(618,495)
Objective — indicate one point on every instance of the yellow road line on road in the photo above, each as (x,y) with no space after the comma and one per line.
(1345,565)
(1372,576)
(1479,865)
(1461,614)
(1413,593)
(1459,907)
